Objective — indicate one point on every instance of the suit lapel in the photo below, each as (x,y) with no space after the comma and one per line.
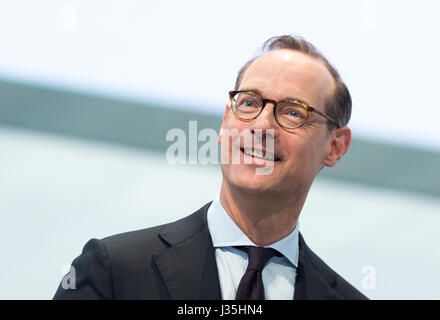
(313,282)
(188,267)
(189,271)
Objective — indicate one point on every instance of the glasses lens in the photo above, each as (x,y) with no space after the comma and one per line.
(247,105)
(291,115)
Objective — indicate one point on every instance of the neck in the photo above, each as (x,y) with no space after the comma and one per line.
(264,218)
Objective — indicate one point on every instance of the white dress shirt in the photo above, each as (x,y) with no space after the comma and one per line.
(278,274)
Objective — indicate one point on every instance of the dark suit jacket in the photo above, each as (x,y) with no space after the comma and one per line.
(177,261)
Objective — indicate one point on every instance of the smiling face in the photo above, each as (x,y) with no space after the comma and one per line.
(300,153)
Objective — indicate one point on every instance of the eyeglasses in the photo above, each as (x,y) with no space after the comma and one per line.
(289,114)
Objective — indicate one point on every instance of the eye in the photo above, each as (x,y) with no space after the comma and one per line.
(246,100)
(292,111)
(247,103)
(294,114)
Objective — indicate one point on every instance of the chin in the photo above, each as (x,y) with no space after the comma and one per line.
(244,178)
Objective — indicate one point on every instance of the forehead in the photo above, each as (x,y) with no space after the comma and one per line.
(286,73)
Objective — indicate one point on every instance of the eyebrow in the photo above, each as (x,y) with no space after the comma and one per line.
(259,92)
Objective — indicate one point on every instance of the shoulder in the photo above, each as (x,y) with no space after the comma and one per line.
(121,266)
(149,241)
(341,288)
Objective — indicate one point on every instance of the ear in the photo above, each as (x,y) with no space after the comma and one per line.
(339,144)
(228,107)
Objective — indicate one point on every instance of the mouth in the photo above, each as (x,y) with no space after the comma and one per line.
(260,154)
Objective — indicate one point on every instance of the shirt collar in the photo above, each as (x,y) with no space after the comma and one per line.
(225,233)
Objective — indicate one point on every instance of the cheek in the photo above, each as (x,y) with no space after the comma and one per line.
(232,131)
(304,156)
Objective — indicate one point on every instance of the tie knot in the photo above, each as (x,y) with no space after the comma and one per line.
(258,256)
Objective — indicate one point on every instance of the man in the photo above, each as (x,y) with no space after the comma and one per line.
(246,243)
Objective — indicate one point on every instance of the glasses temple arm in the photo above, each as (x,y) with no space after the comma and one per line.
(327,117)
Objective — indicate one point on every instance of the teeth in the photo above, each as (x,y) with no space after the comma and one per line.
(257,154)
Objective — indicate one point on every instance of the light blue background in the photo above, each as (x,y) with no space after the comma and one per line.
(56,193)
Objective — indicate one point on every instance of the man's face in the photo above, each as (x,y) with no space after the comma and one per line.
(299,153)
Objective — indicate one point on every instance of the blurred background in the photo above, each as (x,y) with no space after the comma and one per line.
(89,90)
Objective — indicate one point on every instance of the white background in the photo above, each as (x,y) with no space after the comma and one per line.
(188,52)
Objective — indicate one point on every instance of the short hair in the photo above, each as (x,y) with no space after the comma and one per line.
(338,105)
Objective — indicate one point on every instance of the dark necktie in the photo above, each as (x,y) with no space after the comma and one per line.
(251,285)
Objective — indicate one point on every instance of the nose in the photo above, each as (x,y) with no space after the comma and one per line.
(266,121)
